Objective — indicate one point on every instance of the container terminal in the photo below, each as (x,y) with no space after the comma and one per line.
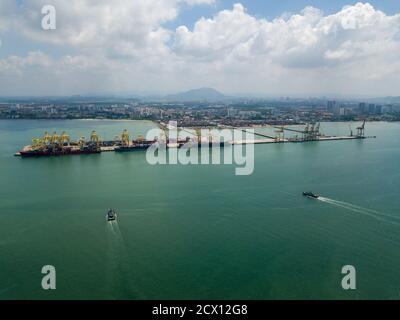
(62,145)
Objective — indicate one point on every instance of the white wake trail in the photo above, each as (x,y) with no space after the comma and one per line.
(118,277)
(369,212)
(355,207)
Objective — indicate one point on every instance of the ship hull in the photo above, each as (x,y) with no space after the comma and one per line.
(43,153)
(137,147)
(310,195)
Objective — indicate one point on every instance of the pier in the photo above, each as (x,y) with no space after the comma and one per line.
(61,145)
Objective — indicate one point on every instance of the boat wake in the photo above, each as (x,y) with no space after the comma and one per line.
(115,231)
(381,216)
(115,256)
(118,274)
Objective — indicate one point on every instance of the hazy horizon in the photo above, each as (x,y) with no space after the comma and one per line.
(235,95)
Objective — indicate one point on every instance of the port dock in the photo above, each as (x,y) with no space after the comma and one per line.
(296,140)
(62,145)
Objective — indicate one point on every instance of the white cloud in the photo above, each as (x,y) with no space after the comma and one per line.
(220,35)
(127,42)
(199,2)
(303,40)
(7,12)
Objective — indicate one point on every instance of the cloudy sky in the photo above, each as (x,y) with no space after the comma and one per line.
(286,47)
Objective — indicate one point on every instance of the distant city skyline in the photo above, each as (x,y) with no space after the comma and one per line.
(261,48)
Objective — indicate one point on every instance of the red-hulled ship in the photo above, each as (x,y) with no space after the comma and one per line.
(28,152)
(55,145)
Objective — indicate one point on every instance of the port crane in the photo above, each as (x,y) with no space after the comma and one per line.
(211,138)
(125,138)
(245,131)
(82,142)
(51,141)
(54,138)
(361,130)
(53,145)
(125,141)
(311,132)
(64,139)
(280,133)
(46,138)
(37,143)
(94,138)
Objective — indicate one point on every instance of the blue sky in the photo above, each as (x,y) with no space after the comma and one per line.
(13,43)
(151,46)
(271,9)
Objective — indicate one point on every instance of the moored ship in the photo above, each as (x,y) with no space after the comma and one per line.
(60,145)
(28,152)
(135,145)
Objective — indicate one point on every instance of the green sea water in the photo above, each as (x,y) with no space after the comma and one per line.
(201,232)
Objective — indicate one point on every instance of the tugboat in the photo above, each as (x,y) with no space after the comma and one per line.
(310,195)
(111,215)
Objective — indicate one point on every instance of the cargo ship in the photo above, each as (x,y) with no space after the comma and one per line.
(60,145)
(29,152)
(136,146)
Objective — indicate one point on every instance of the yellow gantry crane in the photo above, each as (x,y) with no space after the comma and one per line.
(81,142)
(64,139)
(54,140)
(125,138)
(37,143)
(41,143)
(46,138)
(94,138)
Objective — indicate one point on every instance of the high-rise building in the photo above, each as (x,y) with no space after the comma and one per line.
(331,106)
(362,108)
(387,109)
(371,108)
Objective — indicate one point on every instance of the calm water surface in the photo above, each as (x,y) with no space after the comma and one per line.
(200,231)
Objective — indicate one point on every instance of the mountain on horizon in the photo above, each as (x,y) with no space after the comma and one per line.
(201,94)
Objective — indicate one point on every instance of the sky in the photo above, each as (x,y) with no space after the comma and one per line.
(269,47)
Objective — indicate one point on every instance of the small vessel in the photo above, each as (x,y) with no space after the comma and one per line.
(310,195)
(111,215)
